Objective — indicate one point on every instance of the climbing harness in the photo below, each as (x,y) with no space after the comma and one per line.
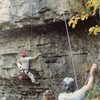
(21,75)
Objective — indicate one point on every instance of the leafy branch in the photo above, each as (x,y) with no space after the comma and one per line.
(91,7)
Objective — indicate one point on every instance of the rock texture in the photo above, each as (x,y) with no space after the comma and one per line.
(37,27)
(16,14)
(52,66)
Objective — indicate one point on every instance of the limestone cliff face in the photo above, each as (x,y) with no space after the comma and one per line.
(17,33)
(19,13)
(54,63)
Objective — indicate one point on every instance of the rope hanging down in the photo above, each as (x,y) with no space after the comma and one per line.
(70,50)
(31,16)
(69,42)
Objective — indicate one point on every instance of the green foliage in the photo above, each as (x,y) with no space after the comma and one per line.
(94,94)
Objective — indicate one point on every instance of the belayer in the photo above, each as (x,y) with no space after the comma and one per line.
(68,87)
(24,64)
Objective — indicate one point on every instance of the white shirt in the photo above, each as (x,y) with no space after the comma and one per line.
(25,62)
(77,95)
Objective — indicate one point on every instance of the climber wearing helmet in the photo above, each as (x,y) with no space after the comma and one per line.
(68,87)
(23,63)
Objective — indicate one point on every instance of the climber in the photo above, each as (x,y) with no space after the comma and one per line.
(68,85)
(23,64)
(48,95)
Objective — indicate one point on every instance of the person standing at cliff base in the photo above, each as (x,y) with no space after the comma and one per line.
(68,83)
(23,64)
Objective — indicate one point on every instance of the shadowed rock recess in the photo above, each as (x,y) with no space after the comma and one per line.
(37,26)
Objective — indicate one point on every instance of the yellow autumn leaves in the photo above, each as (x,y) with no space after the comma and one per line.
(94,30)
(73,21)
(91,8)
(94,4)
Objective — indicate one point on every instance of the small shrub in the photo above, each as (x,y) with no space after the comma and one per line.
(94,94)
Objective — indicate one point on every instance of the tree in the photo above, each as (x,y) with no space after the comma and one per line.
(91,9)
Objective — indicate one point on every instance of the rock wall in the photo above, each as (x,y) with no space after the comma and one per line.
(16,14)
(37,27)
(54,63)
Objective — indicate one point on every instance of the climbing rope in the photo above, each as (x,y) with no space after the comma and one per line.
(32,15)
(70,48)
(69,42)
